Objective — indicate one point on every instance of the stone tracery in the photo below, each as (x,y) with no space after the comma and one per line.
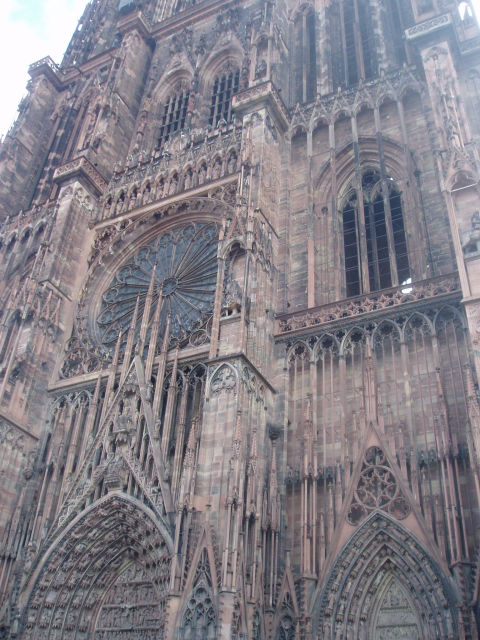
(377,488)
(184,262)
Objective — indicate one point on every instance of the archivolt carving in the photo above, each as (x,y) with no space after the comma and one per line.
(380,551)
(112,552)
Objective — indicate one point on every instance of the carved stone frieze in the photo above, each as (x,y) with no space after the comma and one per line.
(429,26)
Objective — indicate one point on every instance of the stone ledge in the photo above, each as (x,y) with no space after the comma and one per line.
(428,27)
(264,94)
(84,170)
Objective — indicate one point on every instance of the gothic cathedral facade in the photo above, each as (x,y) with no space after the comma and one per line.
(240,325)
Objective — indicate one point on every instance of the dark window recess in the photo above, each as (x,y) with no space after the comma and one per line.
(350,46)
(392,19)
(305,58)
(367,39)
(173,118)
(336,44)
(352,39)
(381,252)
(298,59)
(223,89)
(351,250)
(311,70)
(126,5)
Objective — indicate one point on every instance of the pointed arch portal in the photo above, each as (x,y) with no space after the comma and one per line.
(384,585)
(104,578)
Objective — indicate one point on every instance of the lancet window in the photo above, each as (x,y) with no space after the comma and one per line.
(305,76)
(352,42)
(174,115)
(375,246)
(224,87)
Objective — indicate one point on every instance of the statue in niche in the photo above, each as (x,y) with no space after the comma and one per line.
(202,174)
(217,169)
(261,69)
(172,187)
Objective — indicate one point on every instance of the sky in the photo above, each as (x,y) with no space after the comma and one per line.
(31,30)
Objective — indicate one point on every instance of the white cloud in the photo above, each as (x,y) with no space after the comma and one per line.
(23,43)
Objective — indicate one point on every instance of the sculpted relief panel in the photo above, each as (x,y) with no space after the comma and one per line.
(131,609)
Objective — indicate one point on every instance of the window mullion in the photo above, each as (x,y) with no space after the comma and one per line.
(374,261)
(361,234)
(390,238)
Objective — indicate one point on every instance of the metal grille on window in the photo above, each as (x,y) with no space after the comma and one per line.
(382,249)
(223,89)
(173,118)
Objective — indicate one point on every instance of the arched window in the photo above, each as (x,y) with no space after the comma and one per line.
(375,246)
(223,89)
(173,117)
(305,72)
(352,36)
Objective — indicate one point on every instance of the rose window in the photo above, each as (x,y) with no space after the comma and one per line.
(185,263)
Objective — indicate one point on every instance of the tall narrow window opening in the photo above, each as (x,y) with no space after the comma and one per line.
(351,248)
(394,25)
(223,89)
(353,50)
(382,249)
(173,117)
(305,70)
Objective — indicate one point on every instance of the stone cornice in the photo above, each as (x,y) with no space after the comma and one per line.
(134,20)
(84,170)
(262,95)
(429,26)
(46,67)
